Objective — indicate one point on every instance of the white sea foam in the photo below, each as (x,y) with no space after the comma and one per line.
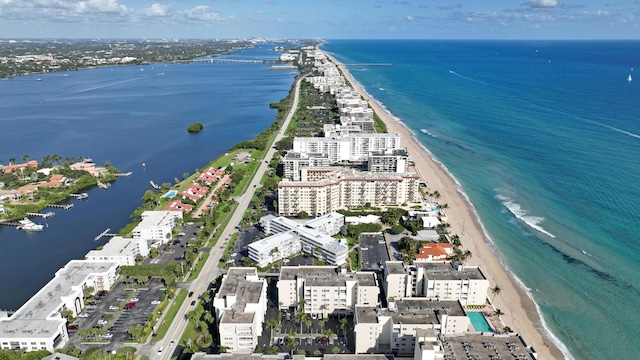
(425,131)
(517,211)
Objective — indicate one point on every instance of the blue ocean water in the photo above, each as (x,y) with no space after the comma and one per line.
(544,138)
(128,116)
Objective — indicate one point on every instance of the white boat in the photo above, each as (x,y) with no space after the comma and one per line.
(629,79)
(29,225)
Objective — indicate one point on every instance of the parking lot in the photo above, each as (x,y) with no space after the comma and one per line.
(118,310)
(246,236)
(176,248)
(374,252)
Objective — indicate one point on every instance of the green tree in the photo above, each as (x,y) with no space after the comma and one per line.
(496,290)
(335,349)
(317,352)
(303,215)
(397,229)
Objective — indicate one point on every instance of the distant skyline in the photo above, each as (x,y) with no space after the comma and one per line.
(327,19)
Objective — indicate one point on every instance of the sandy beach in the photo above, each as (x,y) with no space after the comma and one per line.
(519,310)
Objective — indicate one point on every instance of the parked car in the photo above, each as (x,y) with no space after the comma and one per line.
(113,307)
(73,327)
(107,335)
(120,299)
(135,299)
(155,302)
(102,322)
(84,315)
(129,305)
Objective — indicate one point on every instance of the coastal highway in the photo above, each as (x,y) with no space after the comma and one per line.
(210,270)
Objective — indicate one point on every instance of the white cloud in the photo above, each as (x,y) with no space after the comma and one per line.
(409,18)
(202,13)
(543,3)
(100,6)
(158,10)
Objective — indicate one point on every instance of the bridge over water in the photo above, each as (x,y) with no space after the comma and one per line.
(229,61)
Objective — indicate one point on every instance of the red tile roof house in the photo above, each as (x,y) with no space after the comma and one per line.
(13,167)
(56,180)
(211,175)
(194,192)
(434,252)
(176,205)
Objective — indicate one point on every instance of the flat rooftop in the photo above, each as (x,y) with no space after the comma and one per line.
(485,347)
(245,291)
(117,246)
(411,311)
(38,317)
(325,276)
(446,271)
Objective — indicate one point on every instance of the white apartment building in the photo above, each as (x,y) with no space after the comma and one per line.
(326,289)
(312,237)
(156,226)
(241,304)
(437,281)
(351,147)
(323,190)
(292,162)
(38,324)
(394,160)
(120,250)
(393,329)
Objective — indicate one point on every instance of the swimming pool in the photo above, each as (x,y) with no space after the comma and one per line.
(170,194)
(479,322)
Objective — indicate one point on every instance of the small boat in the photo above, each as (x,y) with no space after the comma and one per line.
(629,79)
(29,225)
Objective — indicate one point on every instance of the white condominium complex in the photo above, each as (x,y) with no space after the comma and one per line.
(119,249)
(291,237)
(38,324)
(241,304)
(394,160)
(326,289)
(442,281)
(292,162)
(157,225)
(351,147)
(323,190)
(393,329)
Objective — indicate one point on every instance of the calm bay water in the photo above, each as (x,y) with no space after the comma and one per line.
(127,116)
(544,138)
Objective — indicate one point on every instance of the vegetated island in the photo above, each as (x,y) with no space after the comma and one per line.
(31,186)
(195,127)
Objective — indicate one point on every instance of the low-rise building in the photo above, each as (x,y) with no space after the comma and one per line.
(121,250)
(156,226)
(433,346)
(392,160)
(326,289)
(38,324)
(393,329)
(434,252)
(291,237)
(177,205)
(436,281)
(240,305)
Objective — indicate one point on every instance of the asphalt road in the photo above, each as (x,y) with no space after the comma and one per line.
(210,270)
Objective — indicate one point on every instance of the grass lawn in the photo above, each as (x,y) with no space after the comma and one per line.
(190,334)
(196,270)
(171,314)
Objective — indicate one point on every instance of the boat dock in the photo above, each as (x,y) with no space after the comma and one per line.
(44,216)
(124,174)
(102,185)
(10,223)
(154,185)
(79,196)
(61,206)
(103,234)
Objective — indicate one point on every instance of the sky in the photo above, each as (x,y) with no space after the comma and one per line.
(325,19)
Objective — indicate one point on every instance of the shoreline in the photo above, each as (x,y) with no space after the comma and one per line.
(521,313)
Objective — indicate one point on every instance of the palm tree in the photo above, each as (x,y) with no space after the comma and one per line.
(343,325)
(301,317)
(271,323)
(496,291)
(499,312)
(25,158)
(322,323)
(436,195)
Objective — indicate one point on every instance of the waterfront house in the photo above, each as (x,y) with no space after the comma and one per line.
(12,168)
(177,205)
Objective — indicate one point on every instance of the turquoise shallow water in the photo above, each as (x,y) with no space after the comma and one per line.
(544,137)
